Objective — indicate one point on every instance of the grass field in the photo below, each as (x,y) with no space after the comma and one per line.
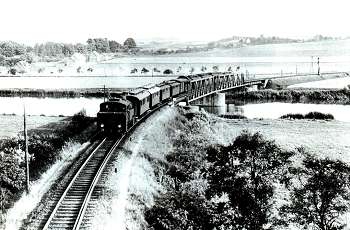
(11,125)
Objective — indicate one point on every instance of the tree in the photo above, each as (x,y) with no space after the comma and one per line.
(7,49)
(246,171)
(215,68)
(321,196)
(91,45)
(114,46)
(179,210)
(144,70)
(68,50)
(80,48)
(129,43)
(101,45)
(2,59)
(12,71)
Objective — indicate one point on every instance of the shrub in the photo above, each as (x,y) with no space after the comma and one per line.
(233,116)
(319,116)
(311,115)
(168,71)
(144,70)
(292,116)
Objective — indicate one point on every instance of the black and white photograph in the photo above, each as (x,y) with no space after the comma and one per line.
(174,115)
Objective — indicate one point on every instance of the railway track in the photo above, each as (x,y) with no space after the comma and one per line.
(70,209)
(73,210)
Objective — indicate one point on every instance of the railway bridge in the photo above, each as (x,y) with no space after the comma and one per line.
(206,85)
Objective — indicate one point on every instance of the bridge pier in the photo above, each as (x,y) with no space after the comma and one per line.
(252,88)
(219,99)
(213,103)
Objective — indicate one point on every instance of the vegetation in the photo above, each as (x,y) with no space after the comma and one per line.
(246,171)
(43,148)
(12,53)
(341,96)
(41,93)
(321,195)
(168,71)
(234,186)
(310,115)
(233,116)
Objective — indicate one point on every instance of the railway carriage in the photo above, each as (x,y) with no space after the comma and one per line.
(183,84)
(174,87)
(164,91)
(154,92)
(141,99)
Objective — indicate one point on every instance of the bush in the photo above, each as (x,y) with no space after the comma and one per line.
(233,116)
(319,116)
(311,115)
(168,71)
(177,211)
(12,170)
(293,116)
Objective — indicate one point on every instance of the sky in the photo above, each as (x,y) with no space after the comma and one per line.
(33,21)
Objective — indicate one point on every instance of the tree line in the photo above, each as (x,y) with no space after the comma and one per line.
(12,52)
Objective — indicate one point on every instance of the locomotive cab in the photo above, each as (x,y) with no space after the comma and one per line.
(115,116)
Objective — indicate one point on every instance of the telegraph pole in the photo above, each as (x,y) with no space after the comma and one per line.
(26,150)
(104,93)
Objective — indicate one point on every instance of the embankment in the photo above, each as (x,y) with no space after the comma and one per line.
(341,96)
(59,93)
(282,82)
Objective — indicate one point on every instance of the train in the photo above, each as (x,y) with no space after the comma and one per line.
(120,113)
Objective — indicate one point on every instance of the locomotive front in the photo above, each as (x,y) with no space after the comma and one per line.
(115,116)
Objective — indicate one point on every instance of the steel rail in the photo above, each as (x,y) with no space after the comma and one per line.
(46,226)
(80,217)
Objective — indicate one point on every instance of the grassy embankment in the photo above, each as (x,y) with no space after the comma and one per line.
(241,185)
(69,93)
(44,146)
(277,91)
(283,82)
(340,96)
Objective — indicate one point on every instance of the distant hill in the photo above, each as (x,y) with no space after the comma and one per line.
(166,46)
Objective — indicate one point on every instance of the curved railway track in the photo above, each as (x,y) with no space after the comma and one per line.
(70,209)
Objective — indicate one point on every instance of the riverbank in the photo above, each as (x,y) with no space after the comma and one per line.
(61,93)
(317,96)
(282,82)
